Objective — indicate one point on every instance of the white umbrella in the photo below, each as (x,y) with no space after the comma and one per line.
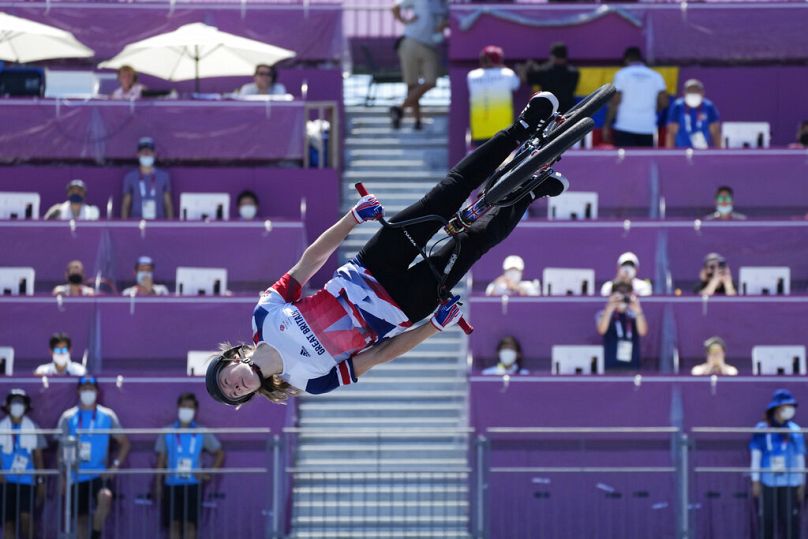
(197,51)
(22,40)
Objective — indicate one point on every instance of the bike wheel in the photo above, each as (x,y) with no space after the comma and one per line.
(545,156)
(584,109)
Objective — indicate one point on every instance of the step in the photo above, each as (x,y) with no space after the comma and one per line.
(426,111)
(314,406)
(388,175)
(459,490)
(377,533)
(356,164)
(424,141)
(375,520)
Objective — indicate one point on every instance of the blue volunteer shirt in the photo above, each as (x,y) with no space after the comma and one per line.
(692,121)
(184,454)
(93,449)
(779,452)
(19,459)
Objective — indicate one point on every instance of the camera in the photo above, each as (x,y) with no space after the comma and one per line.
(722,264)
(626,299)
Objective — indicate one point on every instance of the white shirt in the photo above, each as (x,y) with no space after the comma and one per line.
(640,287)
(135,92)
(501,370)
(526,288)
(65,290)
(490,100)
(158,289)
(71,369)
(252,89)
(87,212)
(639,87)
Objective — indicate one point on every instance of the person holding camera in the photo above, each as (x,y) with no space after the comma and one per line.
(715,363)
(627,266)
(715,277)
(621,324)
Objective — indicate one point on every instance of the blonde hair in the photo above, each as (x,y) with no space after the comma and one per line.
(273,387)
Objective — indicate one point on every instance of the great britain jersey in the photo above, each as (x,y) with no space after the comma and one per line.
(317,336)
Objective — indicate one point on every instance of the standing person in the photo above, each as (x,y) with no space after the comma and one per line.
(147,189)
(93,454)
(419,52)
(633,109)
(75,207)
(180,491)
(144,280)
(779,491)
(74,274)
(129,87)
(693,120)
(556,76)
(622,323)
(21,452)
(61,347)
(265,82)
(491,88)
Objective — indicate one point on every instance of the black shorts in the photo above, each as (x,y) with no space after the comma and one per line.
(16,498)
(86,494)
(181,503)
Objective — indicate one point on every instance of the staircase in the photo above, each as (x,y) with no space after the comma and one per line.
(388,457)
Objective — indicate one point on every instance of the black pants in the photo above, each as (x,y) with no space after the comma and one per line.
(780,513)
(388,254)
(624,139)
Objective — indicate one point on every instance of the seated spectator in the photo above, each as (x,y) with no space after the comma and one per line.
(716,350)
(510,283)
(21,452)
(724,210)
(247,204)
(129,88)
(74,207)
(509,353)
(556,76)
(144,280)
(621,324)
(627,266)
(802,137)
(265,82)
(147,189)
(715,277)
(75,281)
(491,88)
(693,120)
(60,346)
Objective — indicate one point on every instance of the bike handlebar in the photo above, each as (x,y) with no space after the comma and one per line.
(465,326)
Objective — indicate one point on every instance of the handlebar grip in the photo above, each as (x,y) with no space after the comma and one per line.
(361,189)
(465,326)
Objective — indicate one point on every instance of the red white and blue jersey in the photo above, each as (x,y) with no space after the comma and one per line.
(317,336)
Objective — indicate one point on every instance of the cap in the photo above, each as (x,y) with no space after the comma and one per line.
(77,183)
(694,83)
(713,256)
(781,397)
(513,262)
(18,394)
(494,54)
(715,340)
(212,377)
(145,261)
(628,258)
(88,380)
(145,142)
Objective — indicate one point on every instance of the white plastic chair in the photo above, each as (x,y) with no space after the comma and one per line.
(746,134)
(778,359)
(197,364)
(19,205)
(15,281)
(75,84)
(201,281)
(214,206)
(765,280)
(568,281)
(577,359)
(7,359)
(573,205)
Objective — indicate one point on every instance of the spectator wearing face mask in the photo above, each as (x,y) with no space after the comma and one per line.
(510,283)
(247,203)
(180,490)
(91,488)
(627,266)
(74,207)
(621,324)
(75,281)
(20,453)
(144,280)
(60,347)
(779,491)
(716,351)
(802,137)
(715,277)
(509,354)
(693,120)
(147,189)
(724,210)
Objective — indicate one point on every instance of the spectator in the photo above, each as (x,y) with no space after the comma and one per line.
(247,204)
(93,454)
(556,76)
(491,88)
(147,189)
(621,324)
(418,50)
(627,266)
(61,347)
(144,280)
(21,453)
(74,207)
(510,283)
(780,492)
(509,353)
(129,88)
(693,120)
(715,277)
(802,137)
(265,82)
(724,210)
(180,491)
(716,350)
(75,282)
(640,94)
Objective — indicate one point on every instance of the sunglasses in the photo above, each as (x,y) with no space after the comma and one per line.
(723,198)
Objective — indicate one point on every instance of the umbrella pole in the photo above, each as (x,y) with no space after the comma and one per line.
(196,68)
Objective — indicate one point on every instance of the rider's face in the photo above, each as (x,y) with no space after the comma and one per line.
(238,379)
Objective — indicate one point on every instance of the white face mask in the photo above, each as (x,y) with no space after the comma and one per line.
(693,100)
(513,275)
(248,211)
(186,415)
(507,357)
(629,271)
(16,410)
(87,397)
(724,210)
(146,161)
(61,359)
(787,413)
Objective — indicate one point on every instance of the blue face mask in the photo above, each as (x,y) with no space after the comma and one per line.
(76,198)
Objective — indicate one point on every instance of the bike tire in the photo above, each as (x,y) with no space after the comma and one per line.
(546,155)
(586,108)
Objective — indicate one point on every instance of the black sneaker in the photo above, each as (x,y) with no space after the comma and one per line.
(396,113)
(539,109)
(555,184)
